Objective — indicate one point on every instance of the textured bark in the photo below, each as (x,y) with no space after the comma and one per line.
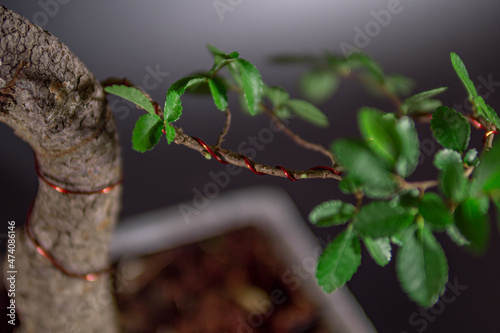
(55,104)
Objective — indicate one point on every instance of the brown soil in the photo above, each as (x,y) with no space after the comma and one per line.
(231,283)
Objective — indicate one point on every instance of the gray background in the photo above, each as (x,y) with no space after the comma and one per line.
(125,38)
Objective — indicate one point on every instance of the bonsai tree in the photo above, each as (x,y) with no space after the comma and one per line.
(55,104)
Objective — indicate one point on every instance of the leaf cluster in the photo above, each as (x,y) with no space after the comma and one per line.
(406,214)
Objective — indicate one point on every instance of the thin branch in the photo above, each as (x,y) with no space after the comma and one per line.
(421,185)
(295,137)
(223,134)
(239,160)
(383,89)
(359,199)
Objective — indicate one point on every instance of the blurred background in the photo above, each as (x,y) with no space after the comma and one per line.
(154,43)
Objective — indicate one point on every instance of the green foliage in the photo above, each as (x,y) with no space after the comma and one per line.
(319,85)
(408,146)
(459,67)
(454,184)
(219,93)
(251,83)
(382,219)
(147,132)
(361,60)
(133,95)
(434,211)
(277,95)
(456,236)
(423,101)
(365,169)
(379,132)
(487,111)
(169,133)
(173,107)
(422,267)
(339,261)
(445,157)
(487,174)
(332,213)
(450,128)
(379,249)
(308,112)
(470,157)
(481,107)
(471,220)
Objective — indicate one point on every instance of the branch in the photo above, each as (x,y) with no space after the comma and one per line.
(223,134)
(383,89)
(422,186)
(295,137)
(242,161)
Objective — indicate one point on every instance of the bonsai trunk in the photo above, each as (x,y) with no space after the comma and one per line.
(55,104)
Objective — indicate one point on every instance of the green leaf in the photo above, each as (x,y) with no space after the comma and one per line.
(319,85)
(453,182)
(364,168)
(181,85)
(278,95)
(456,236)
(133,95)
(308,112)
(220,58)
(251,83)
(339,261)
(332,213)
(459,67)
(379,249)
(414,103)
(361,60)
(487,174)
(400,238)
(434,211)
(382,219)
(219,93)
(348,185)
(408,146)
(379,133)
(422,268)
(408,198)
(470,157)
(399,85)
(487,111)
(450,128)
(170,133)
(147,132)
(445,157)
(473,223)
(173,107)
(425,106)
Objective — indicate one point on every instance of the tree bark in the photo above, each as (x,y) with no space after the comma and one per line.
(56,105)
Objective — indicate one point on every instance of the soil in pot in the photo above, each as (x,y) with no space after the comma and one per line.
(229,283)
